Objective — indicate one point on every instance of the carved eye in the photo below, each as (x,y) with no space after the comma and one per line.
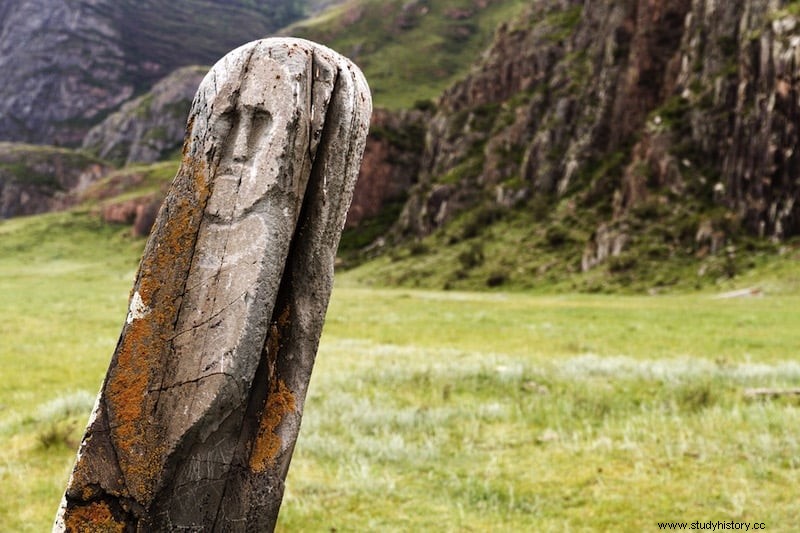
(259,128)
(247,130)
(223,124)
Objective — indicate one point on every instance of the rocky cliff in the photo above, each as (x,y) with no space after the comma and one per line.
(391,162)
(37,179)
(670,125)
(68,64)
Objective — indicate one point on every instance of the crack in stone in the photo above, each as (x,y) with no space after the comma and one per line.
(205,280)
(194,381)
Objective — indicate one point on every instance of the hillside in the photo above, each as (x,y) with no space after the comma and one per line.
(151,127)
(37,179)
(624,144)
(584,145)
(410,51)
(67,64)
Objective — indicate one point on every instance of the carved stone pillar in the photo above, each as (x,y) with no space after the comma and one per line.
(196,421)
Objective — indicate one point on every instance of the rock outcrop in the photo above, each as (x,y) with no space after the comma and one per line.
(139,213)
(37,179)
(628,108)
(66,65)
(150,127)
(391,162)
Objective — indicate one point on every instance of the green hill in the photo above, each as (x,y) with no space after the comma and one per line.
(410,51)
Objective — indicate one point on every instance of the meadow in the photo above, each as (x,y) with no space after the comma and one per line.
(444,410)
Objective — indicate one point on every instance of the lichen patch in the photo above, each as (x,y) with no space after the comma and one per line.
(93,518)
(267,445)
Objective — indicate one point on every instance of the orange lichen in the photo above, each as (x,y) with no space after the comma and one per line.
(125,394)
(146,341)
(93,518)
(188,140)
(285,317)
(273,345)
(89,492)
(267,445)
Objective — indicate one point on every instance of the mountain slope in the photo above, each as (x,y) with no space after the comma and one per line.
(67,64)
(612,142)
(409,50)
(150,127)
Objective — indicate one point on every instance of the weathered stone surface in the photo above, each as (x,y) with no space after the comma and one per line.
(196,421)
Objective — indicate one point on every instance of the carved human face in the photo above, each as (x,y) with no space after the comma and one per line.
(251,123)
(266,133)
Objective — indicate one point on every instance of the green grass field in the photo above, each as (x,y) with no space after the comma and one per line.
(446,411)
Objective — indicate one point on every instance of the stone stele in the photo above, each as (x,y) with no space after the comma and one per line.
(196,421)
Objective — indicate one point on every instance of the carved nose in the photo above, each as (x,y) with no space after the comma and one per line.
(240,145)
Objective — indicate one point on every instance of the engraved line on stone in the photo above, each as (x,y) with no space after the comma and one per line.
(194,381)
